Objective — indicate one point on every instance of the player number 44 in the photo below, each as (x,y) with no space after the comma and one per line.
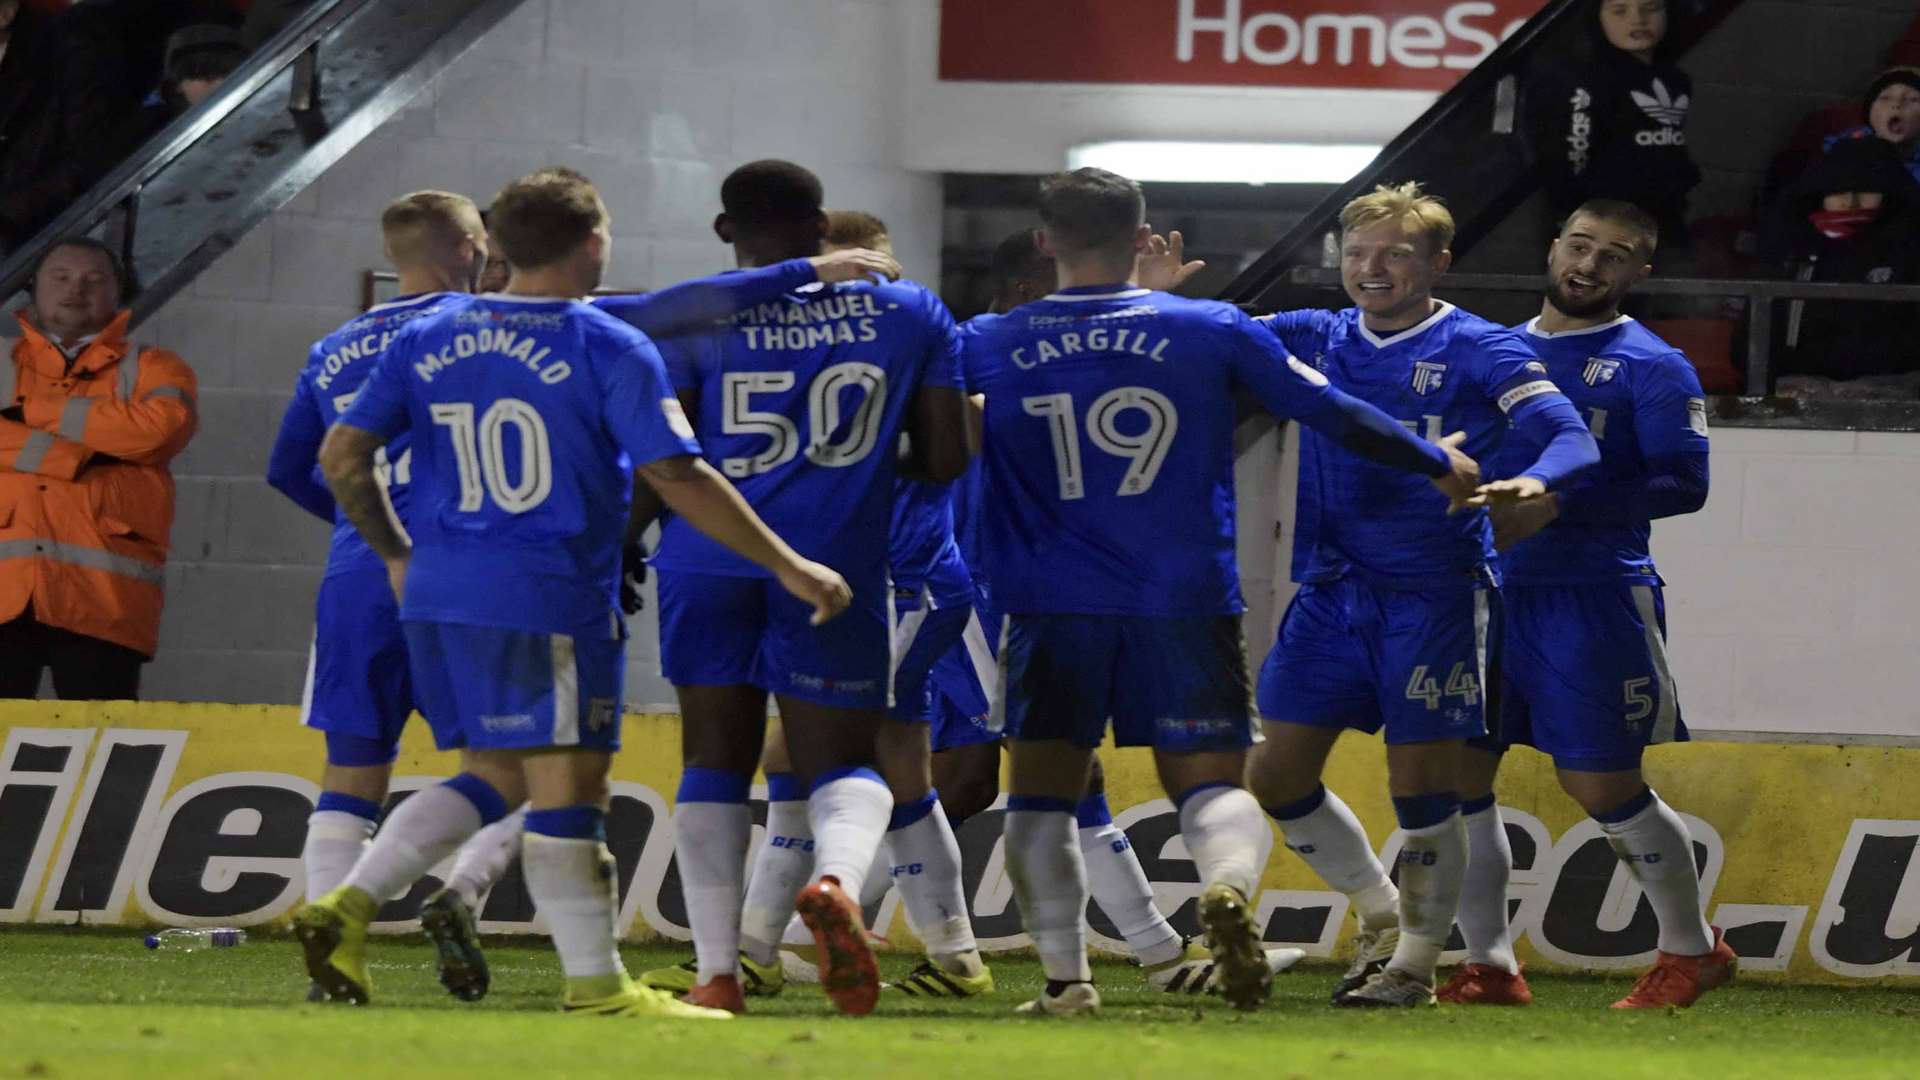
(1461,683)
(1145,451)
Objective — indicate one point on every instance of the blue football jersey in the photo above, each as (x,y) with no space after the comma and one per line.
(1109,449)
(528,417)
(1642,401)
(1452,372)
(336,366)
(801,404)
(923,553)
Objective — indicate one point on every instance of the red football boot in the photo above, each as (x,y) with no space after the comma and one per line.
(1680,980)
(719,992)
(1484,984)
(847,969)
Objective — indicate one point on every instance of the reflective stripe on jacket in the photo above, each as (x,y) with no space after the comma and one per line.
(86,499)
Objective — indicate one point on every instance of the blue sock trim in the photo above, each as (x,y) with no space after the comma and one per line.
(1039,804)
(1299,809)
(358,750)
(491,805)
(1180,801)
(1425,811)
(1626,809)
(569,823)
(712,785)
(348,804)
(784,787)
(845,772)
(1474,806)
(914,811)
(1092,811)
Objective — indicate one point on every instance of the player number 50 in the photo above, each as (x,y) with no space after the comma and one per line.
(738,417)
(481,454)
(1145,452)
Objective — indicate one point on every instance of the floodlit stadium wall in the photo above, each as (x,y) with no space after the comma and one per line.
(144,814)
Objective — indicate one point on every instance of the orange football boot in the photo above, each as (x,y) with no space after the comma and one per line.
(719,992)
(1680,980)
(1484,984)
(847,969)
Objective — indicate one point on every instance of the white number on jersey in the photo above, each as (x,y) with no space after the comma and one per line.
(1597,422)
(737,417)
(1461,683)
(1433,423)
(480,453)
(1145,452)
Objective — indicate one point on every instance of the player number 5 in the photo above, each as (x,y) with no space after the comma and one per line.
(1145,452)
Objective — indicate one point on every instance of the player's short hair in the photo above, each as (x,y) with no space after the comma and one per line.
(771,192)
(1018,258)
(416,225)
(1643,225)
(122,278)
(854,228)
(545,216)
(1087,209)
(1414,210)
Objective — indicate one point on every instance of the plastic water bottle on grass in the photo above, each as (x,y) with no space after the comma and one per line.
(197,938)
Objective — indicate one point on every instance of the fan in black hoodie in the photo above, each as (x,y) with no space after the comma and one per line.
(1612,125)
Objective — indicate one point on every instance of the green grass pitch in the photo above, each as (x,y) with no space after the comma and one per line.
(94,1003)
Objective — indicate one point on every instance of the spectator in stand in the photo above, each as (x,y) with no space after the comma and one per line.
(198,60)
(89,424)
(1893,116)
(1612,124)
(31,131)
(1854,217)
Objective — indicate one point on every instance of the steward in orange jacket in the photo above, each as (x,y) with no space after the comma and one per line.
(88,422)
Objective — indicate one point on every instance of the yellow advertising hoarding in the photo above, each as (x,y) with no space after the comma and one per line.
(159,813)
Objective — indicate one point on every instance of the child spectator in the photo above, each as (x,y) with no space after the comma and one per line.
(1612,124)
(1893,116)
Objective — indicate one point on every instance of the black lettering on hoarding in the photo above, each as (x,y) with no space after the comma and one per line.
(1761,939)
(672,897)
(112,816)
(34,786)
(1875,895)
(979,836)
(1297,925)
(24,809)
(1571,918)
(406,908)
(260,827)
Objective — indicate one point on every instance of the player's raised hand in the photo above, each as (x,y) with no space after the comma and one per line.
(1518,489)
(1459,484)
(1516,519)
(1161,267)
(852,264)
(818,585)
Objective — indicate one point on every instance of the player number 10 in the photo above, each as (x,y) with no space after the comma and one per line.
(1145,452)
(481,454)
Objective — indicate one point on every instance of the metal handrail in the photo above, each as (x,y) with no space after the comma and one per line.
(124,183)
(1760,294)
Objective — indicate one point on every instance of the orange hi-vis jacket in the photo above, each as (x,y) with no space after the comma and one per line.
(86,499)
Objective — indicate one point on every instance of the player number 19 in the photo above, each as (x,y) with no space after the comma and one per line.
(1145,452)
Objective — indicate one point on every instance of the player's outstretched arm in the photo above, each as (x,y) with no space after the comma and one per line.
(346,457)
(696,492)
(1163,266)
(692,305)
(291,464)
(1567,449)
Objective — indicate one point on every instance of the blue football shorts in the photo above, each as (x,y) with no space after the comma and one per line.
(1414,662)
(719,630)
(962,687)
(359,686)
(491,688)
(922,634)
(1586,675)
(1178,683)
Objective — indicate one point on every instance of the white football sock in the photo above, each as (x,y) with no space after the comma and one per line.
(427,827)
(1331,841)
(1121,888)
(1433,863)
(1227,836)
(1050,883)
(781,869)
(1659,854)
(926,868)
(879,877)
(485,857)
(1483,893)
(572,883)
(849,815)
(710,841)
(335,841)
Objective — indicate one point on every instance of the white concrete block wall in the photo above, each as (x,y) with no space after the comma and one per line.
(655,100)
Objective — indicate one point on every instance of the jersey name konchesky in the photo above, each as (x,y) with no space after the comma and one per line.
(1109,449)
(528,417)
(801,405)
(1452,372)
(1642,400)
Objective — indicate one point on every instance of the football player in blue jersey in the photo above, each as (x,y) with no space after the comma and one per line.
(1586,674)
(359,692)
(530,413)
(1392,622)
(803,401)
(1108,437)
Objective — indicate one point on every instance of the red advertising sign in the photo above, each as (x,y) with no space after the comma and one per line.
(1368,44)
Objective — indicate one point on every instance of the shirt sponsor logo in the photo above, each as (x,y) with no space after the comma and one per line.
(507,722)
(1524,391)
(844,686)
